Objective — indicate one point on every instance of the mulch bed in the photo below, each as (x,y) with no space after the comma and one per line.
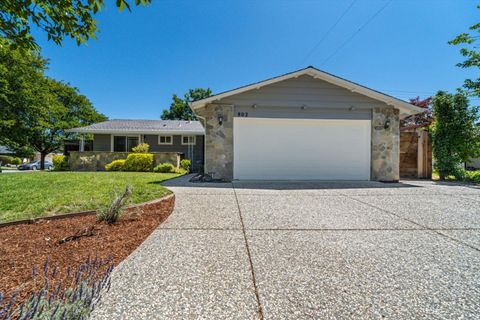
(26,245)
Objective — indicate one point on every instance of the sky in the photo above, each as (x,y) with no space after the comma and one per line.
(141,58)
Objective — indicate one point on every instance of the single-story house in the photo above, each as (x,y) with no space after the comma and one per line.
(304,125)
(113,139)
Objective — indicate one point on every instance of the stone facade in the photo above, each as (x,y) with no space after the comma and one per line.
(218,140)
(385,145)
(96,160)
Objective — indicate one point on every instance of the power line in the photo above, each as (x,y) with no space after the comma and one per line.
(328,32)
(358,31)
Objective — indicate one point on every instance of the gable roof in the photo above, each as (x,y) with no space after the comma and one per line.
(142,127)
(403,106)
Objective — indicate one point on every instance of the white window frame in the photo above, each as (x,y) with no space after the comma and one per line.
(192,143)
(165,143)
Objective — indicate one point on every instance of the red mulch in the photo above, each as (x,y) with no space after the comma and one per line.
(25,245)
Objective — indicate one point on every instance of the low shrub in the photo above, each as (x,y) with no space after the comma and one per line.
(115,209)
(185,164)
(115,165)
(16,161)
(141,148)
(138,162)
(60,163)
(164,168)
(472,176)
(6,160)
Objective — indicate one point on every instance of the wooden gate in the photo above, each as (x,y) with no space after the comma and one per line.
(415,155)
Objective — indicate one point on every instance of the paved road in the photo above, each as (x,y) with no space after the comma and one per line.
(306,250)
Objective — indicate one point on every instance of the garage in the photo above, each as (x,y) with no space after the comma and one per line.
(301,149)
(303,125)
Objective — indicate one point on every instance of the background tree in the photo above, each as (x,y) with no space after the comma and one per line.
(472,55)
(36,110)
(57,18)
(179,108)
(455,136)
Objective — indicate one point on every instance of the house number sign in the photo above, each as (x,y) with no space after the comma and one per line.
(242,114)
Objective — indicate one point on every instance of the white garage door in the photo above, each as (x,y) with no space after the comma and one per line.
(302,149)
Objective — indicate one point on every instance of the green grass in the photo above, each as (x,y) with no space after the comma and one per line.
(25,196)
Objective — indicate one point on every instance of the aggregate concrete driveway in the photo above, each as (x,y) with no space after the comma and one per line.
(306,250)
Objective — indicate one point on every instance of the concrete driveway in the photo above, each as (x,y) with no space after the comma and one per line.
(306,250)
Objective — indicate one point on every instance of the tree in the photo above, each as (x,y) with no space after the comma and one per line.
(36,110)
(57,18)
(180,109)
(455,136)
(471,54)
(419,120)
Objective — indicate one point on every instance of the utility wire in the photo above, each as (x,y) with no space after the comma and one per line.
(328,32)
(357,32)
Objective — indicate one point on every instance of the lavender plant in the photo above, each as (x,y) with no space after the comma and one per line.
(58,300)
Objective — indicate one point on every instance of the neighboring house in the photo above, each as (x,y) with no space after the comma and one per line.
(163,136)
(4,151)
(304,125)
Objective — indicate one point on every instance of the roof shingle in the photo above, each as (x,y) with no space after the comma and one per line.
(142,126)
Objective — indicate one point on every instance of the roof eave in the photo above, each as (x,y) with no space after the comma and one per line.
(406,108)
(153,132)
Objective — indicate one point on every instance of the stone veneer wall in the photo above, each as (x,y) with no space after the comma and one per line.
(385,145)
(218,141)
(96,160)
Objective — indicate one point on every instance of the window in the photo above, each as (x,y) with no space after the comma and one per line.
(188,140)
(124,143)
(165,140)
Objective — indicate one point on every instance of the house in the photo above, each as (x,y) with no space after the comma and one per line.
(306,125)
(113,140)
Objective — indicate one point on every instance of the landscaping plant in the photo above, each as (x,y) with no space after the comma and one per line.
(115,165)
(185,164)
(16,161)
(164,168)
(72,297)
(140,162)
(60,163)
(112,213)
(141,148)
(455,137)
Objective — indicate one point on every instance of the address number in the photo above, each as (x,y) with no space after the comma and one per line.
(242,114)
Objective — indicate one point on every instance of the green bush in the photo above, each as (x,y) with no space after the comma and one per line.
(141,148)
(115,165)
(138,162)
(60,163)
(165,168)
(6,160)
(185,164)
(473,176)
(16,161)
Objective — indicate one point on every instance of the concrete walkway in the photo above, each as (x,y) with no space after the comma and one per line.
(277,250)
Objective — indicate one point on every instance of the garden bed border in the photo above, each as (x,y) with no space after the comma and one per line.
(83,213)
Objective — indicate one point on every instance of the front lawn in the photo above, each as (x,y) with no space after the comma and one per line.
(25,196)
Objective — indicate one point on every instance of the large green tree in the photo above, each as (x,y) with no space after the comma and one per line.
(179,108)
(455,136)
(472,56)
(36,110)
(57,18)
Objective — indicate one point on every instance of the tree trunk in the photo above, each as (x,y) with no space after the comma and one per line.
(43,154)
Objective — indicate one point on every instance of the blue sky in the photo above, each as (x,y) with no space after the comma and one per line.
(141,58)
